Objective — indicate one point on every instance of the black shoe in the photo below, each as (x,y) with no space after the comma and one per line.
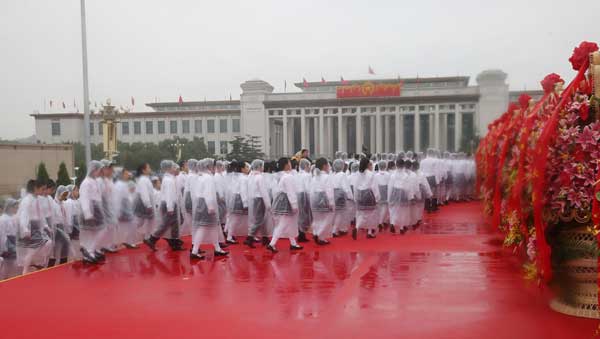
(221,253)
(51,262)
(316,239)
(335,235)
(37,267)
(265,241)
(295,247)
(175,244)
(380,226)
(272,249)
(99,256)
(232,242)
(322,242)
(371,236)
(62,261)
(403,230)
(392,229)
(196,256)
(130,246)
(223,244)
(151,242)
(302,237)
(87,257)
(249,242)
(108,250)
(354,233)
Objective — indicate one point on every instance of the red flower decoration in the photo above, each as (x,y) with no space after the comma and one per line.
(584,112)
(524,101)
(549,81)
(581,54)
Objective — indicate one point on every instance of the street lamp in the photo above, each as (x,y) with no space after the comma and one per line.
(178,146)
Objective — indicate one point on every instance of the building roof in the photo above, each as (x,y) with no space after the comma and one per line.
(193,103)
(463,79)
(134,115)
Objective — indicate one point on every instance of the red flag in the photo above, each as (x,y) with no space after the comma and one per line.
(180,100)
(132,101)
(64,106)
(323,80)
(371,71)
(344,82)
(305,83)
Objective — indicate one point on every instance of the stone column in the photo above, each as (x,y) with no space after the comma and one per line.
(417,133)
(303,131)
(399,133)
(285,134)
(359,133)
(341,129)
(321,133)
(379,132)
(457,129)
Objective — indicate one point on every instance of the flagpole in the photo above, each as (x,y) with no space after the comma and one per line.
(86,99)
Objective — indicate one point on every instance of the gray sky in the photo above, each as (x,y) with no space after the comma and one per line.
(158,48)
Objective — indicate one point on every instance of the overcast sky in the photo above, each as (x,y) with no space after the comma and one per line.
(205,49)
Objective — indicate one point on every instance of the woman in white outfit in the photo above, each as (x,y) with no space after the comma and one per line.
(382,178)
(305,217)
(93,229)
(144,205)
(236,195)
(322,202)
(285,207)
(8,240)
(205,210)
(344,203)
(124,199)
(259,204)
(366,195)
(187,196)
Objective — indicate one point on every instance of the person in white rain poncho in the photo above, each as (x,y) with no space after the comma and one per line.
(144,205)
(124,199)
(305,217)
(401,190)
(259,205)
(236,195)
(322,202)
(424,192)
(353,176)
(343,197)
(430,167)
(220,178)
(33,240)
(366,195)
(105,182)
(8,240)
(93,229)
(169,210)
(180,183)
(187,196)
(74,219)
(382,178)
(205,211)
(62,241)
(285,207)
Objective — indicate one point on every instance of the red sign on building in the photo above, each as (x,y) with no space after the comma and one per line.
(369,89)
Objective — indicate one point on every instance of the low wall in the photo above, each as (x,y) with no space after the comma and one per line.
(19,163)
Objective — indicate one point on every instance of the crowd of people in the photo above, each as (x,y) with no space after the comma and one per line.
(226,203)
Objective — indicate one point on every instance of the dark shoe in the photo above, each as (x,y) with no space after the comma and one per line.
(221,253)
(371,236)
(99,256)
(196,256)
(232,242)
(265,241)
(295,247)
(272,249)
(302,237)
(87,257)
(108,250)
(392,229)
(335,235)
(223,244)
(37,267)
(322,242)
(51,262)
(63,261)
(380,226)
(403,230)
(130,246)
(354,233)
(249,242)
(151,242)
(316,239)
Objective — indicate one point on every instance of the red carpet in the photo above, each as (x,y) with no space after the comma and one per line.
(448,279)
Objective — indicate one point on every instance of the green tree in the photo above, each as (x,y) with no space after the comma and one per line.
(42,173)
(245,148)
(62,177)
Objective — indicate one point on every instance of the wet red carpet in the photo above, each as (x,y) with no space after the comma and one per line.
(448,279)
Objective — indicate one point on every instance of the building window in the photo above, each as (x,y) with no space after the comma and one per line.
(197,126)
(125,128)
(393,109)
(223,125)
(137,127)
(235,125)
(100,129)
(211,147)
(91,128)
(55,128)
(161,127)
(173,126)
(149,127)
(223,147)
(185,126)
(210,126)
(363,109)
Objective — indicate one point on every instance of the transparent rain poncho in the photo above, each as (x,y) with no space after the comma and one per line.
(204,197)
(237,194)
(366,191)
(321,192)
(382,179)
(187,194)
(259,201)
(341,187)
(90,197)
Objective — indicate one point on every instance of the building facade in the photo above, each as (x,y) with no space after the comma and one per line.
(383,115)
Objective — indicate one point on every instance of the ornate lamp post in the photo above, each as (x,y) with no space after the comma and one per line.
(109,127)
(178,147)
